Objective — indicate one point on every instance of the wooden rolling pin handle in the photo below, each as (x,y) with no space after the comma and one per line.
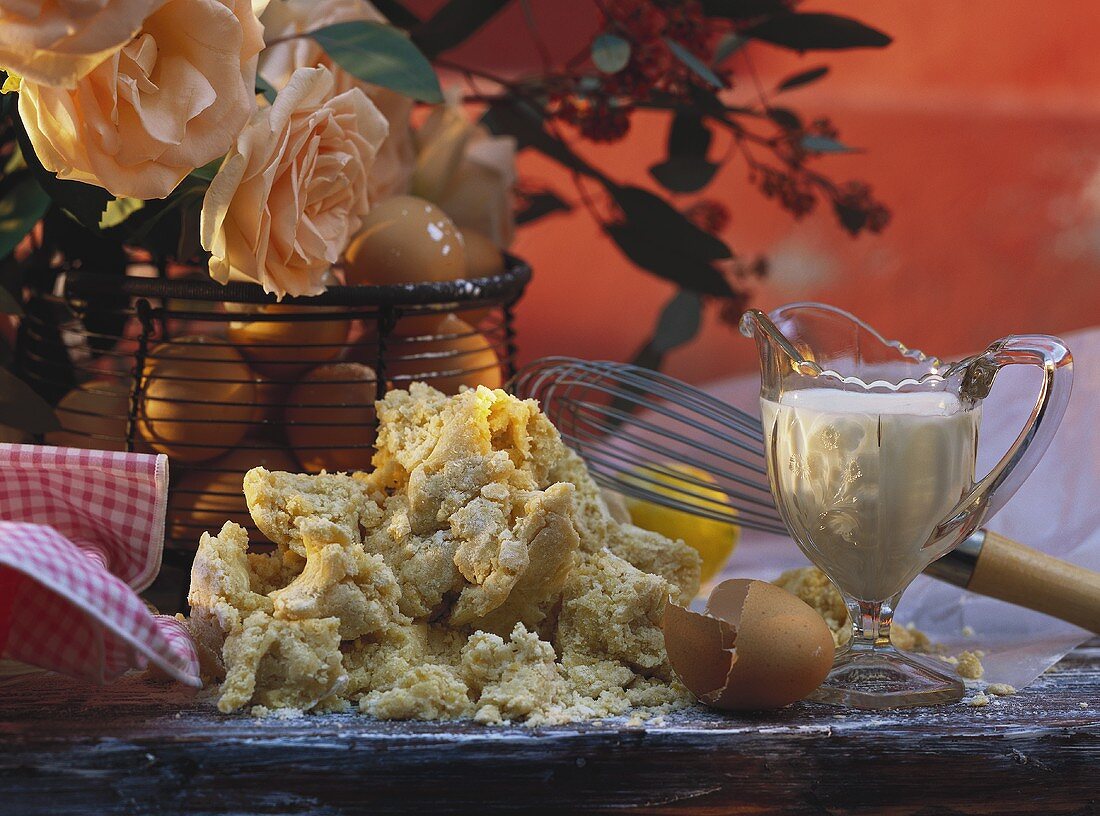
(1029,578)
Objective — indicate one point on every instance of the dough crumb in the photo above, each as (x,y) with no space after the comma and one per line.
(969,665)
(1001,689)
(814,587)
(968,631)
(476,572)
(978,700)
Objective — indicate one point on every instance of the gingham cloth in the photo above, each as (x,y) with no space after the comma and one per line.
(81,533)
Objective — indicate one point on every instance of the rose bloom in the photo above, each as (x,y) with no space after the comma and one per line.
(467,171)
(57,42)
(293,191)
(172,99)
(284,18)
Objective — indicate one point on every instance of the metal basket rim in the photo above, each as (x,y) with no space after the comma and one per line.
(507,285)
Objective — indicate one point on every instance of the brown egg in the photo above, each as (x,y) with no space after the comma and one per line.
(756,646)
(205,497)
(93,416)
(405,240)
(271,399)
(461,356)
(10,434)
(199,400)
(329,419)
(483,257)
(416,324)
(283,349)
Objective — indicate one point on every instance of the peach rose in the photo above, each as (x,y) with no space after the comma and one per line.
(293,191)
(285,18)
(60,41)
(173,99)
(467,171)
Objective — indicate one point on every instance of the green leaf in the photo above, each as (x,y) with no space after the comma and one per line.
(8,304)
(207,171)
(665,261)
(668,225)
(84,202)
(382,55)
(524,122)
(157,227)
(8,101)
(396,13)
(686,170)
(729,45)
(264,87)
(15,162)
(683,174)
(659,239)
(610,53)
(688,135)
(454,24)
(823,144)
(852,219)
(539,205)
(22,408)
(813,31)
(700,68)
(118,210)
(803,78)
(785,118)
(21,207)
(679,321)
(740,11)
(677,325)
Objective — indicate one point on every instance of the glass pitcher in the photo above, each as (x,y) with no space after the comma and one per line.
(871,450)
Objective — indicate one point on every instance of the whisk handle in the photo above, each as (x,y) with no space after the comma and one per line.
(992,565)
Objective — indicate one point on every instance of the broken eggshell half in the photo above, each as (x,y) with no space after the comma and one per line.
(755,646)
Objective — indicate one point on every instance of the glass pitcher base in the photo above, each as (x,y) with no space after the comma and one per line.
(886,678)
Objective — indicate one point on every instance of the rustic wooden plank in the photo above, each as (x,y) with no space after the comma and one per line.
(138,747)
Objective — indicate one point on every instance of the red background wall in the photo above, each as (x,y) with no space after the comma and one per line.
(981,126)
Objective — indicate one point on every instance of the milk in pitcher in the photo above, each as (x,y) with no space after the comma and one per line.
(863,478)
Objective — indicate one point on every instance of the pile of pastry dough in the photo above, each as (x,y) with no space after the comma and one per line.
(476,571)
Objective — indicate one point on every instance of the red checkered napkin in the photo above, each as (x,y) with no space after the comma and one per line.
(81,532)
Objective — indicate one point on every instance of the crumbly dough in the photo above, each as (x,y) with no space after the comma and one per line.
(970,666)
(814,587)
(475,572)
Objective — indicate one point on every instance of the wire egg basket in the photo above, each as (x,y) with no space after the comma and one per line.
(224,378)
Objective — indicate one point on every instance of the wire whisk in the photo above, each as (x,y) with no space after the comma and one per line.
(635,428)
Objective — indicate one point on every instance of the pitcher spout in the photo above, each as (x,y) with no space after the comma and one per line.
(802,342)
(779,357)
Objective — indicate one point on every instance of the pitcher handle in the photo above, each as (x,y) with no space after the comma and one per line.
(1050,354)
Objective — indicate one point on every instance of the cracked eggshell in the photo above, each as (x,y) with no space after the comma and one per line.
(755,646)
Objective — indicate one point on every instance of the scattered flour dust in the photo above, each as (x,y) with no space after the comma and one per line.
(474,572)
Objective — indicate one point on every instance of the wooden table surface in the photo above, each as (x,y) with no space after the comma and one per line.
(138,748)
